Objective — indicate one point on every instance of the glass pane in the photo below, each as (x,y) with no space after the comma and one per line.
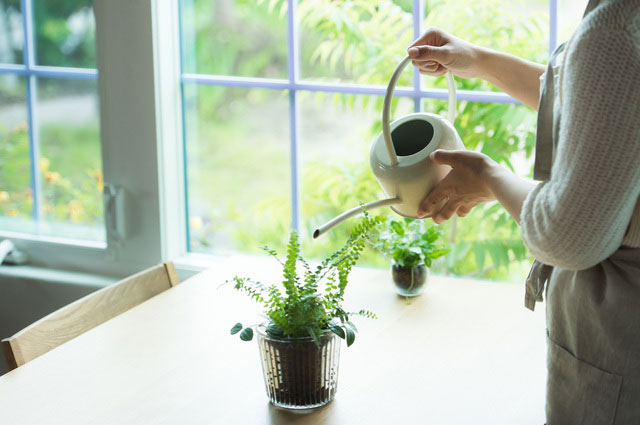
(64,33)
(336,133)
(569,16)
(11,37)
(245,38)
(70,159)
(516,27)
(487,242)
(16,198)
(238,168)
(355,42)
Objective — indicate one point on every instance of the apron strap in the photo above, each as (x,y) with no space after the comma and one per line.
(536,281)
(545,133)
(545,146)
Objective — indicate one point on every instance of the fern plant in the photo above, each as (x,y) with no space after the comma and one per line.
(308,304)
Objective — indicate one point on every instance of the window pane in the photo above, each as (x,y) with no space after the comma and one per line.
(64,33)
(11,38)
(336,133)
(235,37)
(569,16)
(519,28)
(238,168)
(70,159)
(487,242)
(15,183)
(355,42)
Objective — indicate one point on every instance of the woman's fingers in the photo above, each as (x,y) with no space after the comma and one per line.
(438,73)
(464,210)
(429,204)
(426,52)
(445,213)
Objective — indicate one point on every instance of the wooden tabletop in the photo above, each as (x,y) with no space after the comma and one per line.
(465,352)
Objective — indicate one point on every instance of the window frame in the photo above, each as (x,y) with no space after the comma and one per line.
(140,127)
(293,84)
(140,82)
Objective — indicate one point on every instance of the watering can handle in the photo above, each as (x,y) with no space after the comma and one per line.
(387,106)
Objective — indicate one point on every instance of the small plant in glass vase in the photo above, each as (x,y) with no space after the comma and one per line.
(412,245)
(300,342)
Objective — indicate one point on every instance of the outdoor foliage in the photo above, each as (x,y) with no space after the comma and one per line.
(70,193)
(312,300)
(69,164)
(355,41)
(361,41)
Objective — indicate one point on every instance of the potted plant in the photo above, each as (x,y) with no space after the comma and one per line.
(412,247)
(300,342)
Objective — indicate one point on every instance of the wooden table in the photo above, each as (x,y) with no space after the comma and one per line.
(465,352)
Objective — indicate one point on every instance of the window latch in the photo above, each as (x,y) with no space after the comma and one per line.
(114,211)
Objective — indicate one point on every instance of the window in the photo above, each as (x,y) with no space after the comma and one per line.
(228,122)
(50,160)
(282,99)
(49,95)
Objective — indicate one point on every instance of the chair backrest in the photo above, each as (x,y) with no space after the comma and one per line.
(86,313)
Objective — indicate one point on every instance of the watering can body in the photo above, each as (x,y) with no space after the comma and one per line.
(415,137)
(399,156)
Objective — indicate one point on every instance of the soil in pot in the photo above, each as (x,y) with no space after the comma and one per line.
(297,373)
(409,282)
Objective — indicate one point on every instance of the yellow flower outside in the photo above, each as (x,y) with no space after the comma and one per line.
(75,210)
(44,164)
(52,176)
(196,222)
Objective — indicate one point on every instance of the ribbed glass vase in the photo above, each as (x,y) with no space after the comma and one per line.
(297,373)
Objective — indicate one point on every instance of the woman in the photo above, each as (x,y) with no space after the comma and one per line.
(582,223)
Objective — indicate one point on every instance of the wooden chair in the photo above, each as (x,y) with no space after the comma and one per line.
(86,313)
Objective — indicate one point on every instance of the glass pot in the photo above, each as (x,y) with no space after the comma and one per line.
(409,282)
(297,373)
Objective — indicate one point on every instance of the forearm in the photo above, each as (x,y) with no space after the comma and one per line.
(508,189)
(515,76)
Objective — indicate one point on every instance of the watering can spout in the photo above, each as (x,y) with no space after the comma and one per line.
(354,211)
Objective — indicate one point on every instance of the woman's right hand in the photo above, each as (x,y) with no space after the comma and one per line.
(437,52)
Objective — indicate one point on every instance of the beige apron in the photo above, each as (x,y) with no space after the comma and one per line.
(593,315)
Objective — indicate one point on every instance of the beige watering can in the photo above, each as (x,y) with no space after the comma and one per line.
(400,156)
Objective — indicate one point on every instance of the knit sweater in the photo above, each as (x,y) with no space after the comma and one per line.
(589,207)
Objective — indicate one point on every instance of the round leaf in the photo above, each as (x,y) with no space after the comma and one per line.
(246,334)
(236,328)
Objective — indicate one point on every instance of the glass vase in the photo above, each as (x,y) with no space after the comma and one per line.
(297,373)
(409,282)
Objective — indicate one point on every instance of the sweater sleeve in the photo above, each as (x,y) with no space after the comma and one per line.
(579,217)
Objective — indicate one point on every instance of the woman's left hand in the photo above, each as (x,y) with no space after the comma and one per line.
(466,185)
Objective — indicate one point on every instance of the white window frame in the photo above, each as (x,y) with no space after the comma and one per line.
(141,127)
(141,140)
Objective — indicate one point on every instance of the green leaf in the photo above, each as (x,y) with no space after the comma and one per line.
(494,252)
(314,336)
(236,328)
(246,334)
(337,330)
(351,336)
(478,252)
(397,227)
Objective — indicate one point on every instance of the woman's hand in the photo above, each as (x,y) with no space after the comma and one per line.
(437,52)
(466,185)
